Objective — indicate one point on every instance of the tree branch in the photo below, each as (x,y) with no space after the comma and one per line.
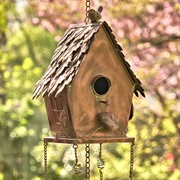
(158,41)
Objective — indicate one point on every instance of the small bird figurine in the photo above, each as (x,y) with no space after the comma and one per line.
(94,15)
(111,123)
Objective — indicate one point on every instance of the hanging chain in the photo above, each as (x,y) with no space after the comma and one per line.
(131,160)
(77,167)
(45,160)
(100,162)
(87,168)
(87,9)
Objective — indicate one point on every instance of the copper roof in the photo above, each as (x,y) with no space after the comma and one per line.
(68,56)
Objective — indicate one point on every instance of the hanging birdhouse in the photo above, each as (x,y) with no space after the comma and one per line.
(88,89)
(88,86)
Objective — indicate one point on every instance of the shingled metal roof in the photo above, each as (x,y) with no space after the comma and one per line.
(68,56)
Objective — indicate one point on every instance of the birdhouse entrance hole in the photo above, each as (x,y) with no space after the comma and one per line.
(101,85)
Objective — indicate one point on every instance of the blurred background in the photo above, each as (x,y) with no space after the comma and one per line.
(149,33)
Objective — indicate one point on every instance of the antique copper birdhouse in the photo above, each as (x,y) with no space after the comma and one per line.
(88,89)
(88,86)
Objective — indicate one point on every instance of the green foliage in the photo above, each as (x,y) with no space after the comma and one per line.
(155,136)
(23,57)
(3,20)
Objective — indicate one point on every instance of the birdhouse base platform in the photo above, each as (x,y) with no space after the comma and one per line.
(90,140)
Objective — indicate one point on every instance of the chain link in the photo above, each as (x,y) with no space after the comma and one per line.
(87,168)
(77,167)
(45,160)
(100,162)
(131,160)
(87,9)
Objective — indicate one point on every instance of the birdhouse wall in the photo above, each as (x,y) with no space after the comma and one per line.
(59,117)
(85,105)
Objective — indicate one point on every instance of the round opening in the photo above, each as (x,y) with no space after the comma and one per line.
(101,85)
